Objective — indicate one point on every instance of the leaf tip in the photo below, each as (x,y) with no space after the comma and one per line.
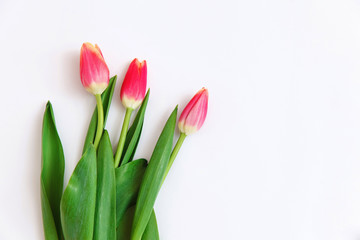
(105,133)
(48,104)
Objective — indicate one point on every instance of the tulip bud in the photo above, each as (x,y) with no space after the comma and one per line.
(94,72)
(134,86)
(194,114)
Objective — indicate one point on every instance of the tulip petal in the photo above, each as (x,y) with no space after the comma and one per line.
(94,72)
(133,88)
(194,114)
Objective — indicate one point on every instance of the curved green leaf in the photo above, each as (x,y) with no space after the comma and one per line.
(106,97)
(78,201)
(50,231)
(123,231)
(153,176)
(151,231)
(134,132)
(128,180)
(52,176)
(105,211)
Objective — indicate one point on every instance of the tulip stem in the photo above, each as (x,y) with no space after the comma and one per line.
(122,138)
(174,154)
(100,122)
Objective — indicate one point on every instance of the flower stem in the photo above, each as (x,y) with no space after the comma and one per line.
(174,154)
(100,122)
(122,138)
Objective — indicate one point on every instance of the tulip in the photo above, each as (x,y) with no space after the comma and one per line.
(190,121)
(194,114)
(94,74)
(134,86)
(132,94)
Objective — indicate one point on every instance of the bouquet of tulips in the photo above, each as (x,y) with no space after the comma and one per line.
(110,196)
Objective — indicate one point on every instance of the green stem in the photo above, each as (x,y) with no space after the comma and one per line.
(122,138)
(174,154)
(100,122)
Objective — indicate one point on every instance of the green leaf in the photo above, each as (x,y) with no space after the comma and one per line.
(153,176)
(128,180)
(105,211)
(78,201)
(52,176)
(134,132)
(50,231)
(123,231)
(151,230)
(106,97)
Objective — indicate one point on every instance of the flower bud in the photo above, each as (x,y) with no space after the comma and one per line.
(194,114)
(94,72)
(133,88)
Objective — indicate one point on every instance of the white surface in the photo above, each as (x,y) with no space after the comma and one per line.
(279,154)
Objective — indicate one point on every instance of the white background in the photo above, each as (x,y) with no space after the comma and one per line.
(279,154)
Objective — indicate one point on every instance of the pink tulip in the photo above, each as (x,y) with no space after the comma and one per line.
(134,86)
(94,72)
(194,114)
